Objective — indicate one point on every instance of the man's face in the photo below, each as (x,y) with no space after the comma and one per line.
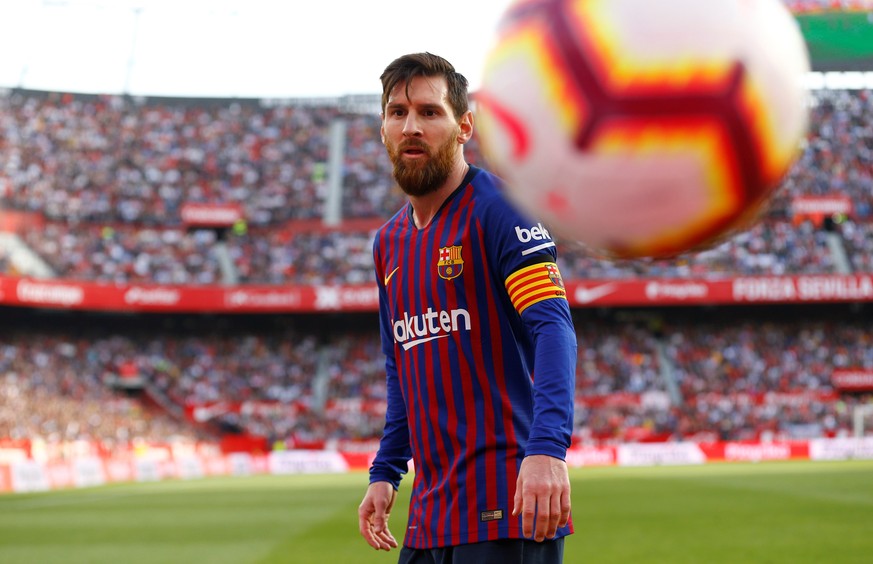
(421,134)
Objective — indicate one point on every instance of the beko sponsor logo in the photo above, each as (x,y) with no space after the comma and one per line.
(418,329)
(536,233)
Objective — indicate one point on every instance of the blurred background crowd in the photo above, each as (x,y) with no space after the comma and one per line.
(102,181)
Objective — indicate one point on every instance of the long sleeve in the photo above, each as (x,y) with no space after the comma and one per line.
(551,326)
(392,459)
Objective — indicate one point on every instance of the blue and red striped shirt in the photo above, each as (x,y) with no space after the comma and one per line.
(470,306)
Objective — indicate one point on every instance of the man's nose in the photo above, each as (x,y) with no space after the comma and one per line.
(411,126)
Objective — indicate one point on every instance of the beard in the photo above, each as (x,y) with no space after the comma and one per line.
(422,176)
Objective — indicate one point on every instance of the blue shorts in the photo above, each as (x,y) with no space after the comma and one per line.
(507,551)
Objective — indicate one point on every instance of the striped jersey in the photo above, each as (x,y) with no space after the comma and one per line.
(471,306)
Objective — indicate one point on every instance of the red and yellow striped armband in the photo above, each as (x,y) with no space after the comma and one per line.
(535,283)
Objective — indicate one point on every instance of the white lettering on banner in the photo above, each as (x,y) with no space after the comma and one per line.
(676,290)
(240,464)
(860,448)
(336,297)
(825,205)
(88,472)
(327,297)
(852,378)
(757,451)
(54,294)
(146,470)
(763,289)
(152,296)
(211,214)
(306,462)
(804,288)
(263,300)
(189,467)
(590,456)
(835,288)
(655,454)
(418,329)
(29,476)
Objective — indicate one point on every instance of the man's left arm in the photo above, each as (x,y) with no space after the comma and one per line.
(542,495)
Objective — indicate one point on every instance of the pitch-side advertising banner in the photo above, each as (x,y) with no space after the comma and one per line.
(65,294)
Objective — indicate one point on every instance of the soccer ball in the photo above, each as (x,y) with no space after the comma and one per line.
(643,128)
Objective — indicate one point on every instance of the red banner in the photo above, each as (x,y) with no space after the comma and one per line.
(849,380)
(742,290)
(210,215)
(65,294)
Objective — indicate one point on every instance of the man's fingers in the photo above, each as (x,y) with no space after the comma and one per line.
(565,508)
(517,502)
(366,530)
(386,540)
(542,518)
(554,516)
(373,518)
(528,515)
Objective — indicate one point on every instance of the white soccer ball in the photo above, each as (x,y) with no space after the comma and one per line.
(641,127)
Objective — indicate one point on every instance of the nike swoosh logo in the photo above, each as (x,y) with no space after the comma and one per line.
(588,295)
(388,278)
(409,344)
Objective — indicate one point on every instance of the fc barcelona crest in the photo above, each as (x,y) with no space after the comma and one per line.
(555,275)
(450,264)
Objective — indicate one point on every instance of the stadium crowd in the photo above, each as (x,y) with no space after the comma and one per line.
(736,379)
(53,390)
(109,176)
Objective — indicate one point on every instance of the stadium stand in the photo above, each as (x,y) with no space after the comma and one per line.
(100,183)
(96,194)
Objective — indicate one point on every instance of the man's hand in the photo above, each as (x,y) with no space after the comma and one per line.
(542,494)
(373,514)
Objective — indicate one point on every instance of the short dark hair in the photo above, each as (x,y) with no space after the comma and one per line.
(403,69)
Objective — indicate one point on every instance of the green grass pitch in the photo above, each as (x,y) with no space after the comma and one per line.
(792,512)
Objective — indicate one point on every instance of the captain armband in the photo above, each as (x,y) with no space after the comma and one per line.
(535,283)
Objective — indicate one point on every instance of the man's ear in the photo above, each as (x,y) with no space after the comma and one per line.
(466,127)
(382,127)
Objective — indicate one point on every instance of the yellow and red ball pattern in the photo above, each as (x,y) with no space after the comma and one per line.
(644,128)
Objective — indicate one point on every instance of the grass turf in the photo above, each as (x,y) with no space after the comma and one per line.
(770,512)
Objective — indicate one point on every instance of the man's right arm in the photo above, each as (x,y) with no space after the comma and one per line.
(392,460)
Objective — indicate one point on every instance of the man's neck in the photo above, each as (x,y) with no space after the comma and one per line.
(424,208)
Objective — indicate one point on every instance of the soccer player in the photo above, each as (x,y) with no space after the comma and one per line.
(479,344)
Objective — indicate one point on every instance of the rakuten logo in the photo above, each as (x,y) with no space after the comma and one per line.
(535,233)
(418,329)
